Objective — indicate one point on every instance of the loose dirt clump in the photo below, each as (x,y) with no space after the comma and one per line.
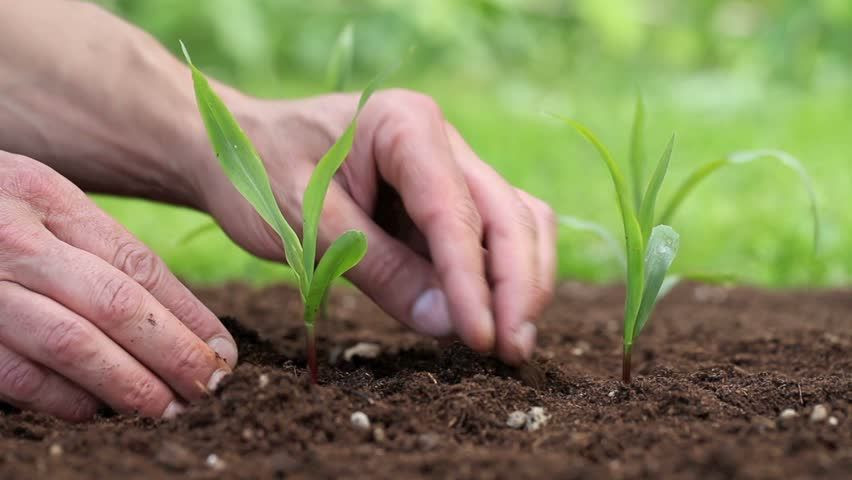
(713,373)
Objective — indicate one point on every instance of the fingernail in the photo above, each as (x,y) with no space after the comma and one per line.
(174,409)
(430,314)
(525,339)
(217,377)
(225,348)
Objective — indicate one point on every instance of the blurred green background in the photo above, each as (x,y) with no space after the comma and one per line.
(725,75)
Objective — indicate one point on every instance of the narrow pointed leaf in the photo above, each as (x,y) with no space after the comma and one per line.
(632,230)
(205,227)
(662,248)
(323,173)
(649,201)
(784,158)
(339,69)
(243,165)
(669,283)
(637,152)
(588,226)
(342,255)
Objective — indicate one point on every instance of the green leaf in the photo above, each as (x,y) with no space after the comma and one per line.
(243,165)
(662,248)
(637,152)
(632,230)
(669,283)
(317,188)
(649,201)
(738,158)
(342,255)
(588,226)
(339,69)
(206,226)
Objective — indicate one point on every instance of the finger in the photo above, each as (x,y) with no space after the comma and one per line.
(82,224)
(547,236)
(413,155)
(399,280)
(30,386)
(511,237)
(124,311)
(38,328)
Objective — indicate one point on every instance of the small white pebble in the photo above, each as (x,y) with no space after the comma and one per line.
(536,418)
(362,350)
(263,380)
(55,450)
(213,461)
(516,420)
(611,394)
(577,351)
(360,420)
(788,413)
(833,421)
(819,413)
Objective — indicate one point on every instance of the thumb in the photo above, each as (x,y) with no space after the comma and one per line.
(393,275)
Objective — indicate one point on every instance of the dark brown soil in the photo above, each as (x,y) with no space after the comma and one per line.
(712,373)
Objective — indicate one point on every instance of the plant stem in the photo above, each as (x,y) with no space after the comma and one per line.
(311,344)
(625,364)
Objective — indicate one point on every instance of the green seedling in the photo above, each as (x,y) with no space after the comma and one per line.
(338,76)
(244,168)
(650,250)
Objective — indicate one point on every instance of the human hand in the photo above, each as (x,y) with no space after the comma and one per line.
(89,315)
(453,248)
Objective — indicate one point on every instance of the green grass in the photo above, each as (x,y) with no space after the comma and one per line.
(752,221)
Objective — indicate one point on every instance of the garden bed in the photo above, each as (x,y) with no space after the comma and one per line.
(713,372)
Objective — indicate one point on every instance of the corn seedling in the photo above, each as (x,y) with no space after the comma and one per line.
(338,75)
(244,168)
(650,250)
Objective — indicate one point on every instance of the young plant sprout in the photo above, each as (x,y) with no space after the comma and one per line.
(338,75)
(244,168)
(651,251)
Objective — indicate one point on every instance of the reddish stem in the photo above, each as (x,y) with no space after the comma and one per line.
(311,344)
(625,365)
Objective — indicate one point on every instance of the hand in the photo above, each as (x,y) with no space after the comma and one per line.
(453,248)
(88,315)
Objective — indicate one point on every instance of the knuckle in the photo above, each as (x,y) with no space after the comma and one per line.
(190,356)
(21,380)
(18,240)
(141,394)
(118,300)
(525,219)
(189,311)
(409,103)
(385,270)
(139,263)
(83,407)
(33,182)
(67,343)
(465,214)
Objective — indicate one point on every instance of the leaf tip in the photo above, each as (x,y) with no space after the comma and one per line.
(185,52)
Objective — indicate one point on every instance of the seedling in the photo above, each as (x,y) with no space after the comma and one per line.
(244,168)
(651,251)
(338,76)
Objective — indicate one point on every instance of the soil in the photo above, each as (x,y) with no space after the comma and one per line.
(712,373)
